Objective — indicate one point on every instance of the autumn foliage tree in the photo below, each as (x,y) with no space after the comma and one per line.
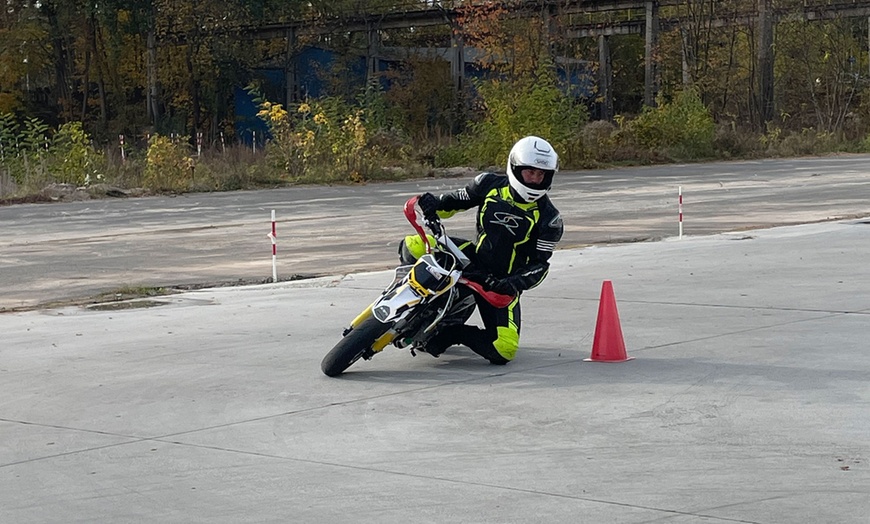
(145,67)
(523,94)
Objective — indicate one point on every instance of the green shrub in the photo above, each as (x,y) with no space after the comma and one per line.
(33,160)
(597,141)
(682,128)
(332,138)
(23,149)
(326,140)
(807,142)
(74,159)
(450,155)
(33,139)
(730,141)
(533,105)
(167,165)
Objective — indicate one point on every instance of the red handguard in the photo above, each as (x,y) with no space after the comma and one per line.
(496,299)
(411,215)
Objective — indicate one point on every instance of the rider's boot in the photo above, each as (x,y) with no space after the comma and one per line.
(479,341)
(471,336)
(439,342)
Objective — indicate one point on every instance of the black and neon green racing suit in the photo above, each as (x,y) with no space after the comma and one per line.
(515,241)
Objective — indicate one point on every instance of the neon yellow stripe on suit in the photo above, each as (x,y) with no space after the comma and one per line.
(480,215)
(531,206)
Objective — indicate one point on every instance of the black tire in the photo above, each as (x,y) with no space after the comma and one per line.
(350,348)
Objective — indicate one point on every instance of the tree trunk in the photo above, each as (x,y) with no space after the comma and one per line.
(153,107)
(193,90)
(63,88)
(101,78)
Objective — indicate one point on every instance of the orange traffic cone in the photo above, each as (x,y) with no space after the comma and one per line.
(608,344)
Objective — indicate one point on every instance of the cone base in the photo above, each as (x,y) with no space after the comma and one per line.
(626,359)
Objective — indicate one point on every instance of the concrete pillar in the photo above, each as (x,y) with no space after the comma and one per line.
(765,63)
(457,62)
(605,78)
(651,79)
(374,44)
(291,77)
(550,29)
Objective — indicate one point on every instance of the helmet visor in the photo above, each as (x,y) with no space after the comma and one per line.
(534,177)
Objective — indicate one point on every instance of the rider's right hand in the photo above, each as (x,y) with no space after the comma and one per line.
(475,275)
(429,205)
(503,286)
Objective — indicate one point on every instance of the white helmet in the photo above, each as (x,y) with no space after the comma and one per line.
(531,152)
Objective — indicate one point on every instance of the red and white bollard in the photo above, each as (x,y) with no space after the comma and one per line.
(681,211)
(123,153)
(273,236)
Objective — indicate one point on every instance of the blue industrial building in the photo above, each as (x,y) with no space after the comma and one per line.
(313,62)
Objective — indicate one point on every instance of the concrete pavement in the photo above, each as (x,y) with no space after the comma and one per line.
(77,250)
(748,400)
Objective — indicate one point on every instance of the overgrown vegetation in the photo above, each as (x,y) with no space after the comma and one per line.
(32,155)
(532,104)
(332,141)
(679,129)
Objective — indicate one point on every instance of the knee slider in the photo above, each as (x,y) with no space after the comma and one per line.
(413,248)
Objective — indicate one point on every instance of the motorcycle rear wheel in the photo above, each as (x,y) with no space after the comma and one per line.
(350,348)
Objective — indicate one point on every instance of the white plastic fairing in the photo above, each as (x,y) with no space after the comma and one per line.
(395,306)
(460,256)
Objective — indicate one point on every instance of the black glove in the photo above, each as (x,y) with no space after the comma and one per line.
(429,205)
(475,275)
(504,286)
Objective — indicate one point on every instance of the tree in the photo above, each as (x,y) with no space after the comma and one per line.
(202,54)
(25,60)
(512,46)
(818,72)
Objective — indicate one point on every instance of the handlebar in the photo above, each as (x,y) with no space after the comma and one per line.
(440,233)
(410,210)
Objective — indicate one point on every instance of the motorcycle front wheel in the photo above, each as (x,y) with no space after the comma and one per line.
(350,348)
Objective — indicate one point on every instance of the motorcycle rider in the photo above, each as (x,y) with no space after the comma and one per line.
(517,229)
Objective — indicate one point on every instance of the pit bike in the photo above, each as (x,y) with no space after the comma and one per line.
(423,297)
